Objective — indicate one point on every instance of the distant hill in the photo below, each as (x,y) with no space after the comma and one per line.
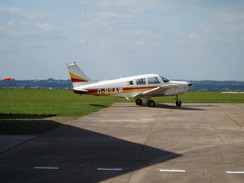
(206,85)
(37,84)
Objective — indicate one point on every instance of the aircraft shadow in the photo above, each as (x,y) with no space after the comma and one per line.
(98,105)
(78,153)
(173,106)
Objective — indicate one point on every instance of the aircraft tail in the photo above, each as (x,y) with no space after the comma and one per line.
(77,76)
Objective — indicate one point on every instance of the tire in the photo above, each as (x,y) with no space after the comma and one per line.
(151,103)
(138,101)
(178,103)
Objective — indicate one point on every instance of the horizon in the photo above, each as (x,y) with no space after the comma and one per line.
(13,79)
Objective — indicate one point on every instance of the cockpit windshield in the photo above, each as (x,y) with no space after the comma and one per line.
(165,79)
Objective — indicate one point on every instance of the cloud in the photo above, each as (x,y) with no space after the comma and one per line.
(231,21)
(15,28)
(134,5)
(10,10)
(16,11)
(138,42)
(116,3)
(106,14)
(207,27)
(46,26)
(151,36)
(193,35)
(9,31)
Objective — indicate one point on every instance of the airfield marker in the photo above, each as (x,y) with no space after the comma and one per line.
(109,169)
(235,172)
(46,168)
(173,171)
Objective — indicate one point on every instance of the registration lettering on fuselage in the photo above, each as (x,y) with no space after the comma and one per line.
(109,91)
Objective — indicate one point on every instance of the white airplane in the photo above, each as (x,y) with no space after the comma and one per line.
(137,87)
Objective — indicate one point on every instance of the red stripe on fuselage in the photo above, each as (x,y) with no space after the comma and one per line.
(94,91)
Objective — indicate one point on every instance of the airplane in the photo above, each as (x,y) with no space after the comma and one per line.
(141,86)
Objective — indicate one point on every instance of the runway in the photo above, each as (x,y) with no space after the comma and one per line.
(129,143)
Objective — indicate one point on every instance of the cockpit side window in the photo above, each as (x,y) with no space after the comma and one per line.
(165,79)
(153,80)
(141,81)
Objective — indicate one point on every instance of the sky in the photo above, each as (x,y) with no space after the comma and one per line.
(108,39)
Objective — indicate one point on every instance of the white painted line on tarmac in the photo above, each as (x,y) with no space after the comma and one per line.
(46,168)
(176,171)
(235,172)
(109,169)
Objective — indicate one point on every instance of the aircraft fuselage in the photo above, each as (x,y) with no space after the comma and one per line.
(130,87)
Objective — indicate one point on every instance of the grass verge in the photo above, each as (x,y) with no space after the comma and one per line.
(33,111)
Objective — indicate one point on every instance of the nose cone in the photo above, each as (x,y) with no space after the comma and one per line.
(189,84)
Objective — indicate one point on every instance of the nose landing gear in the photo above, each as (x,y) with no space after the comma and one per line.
(178,102)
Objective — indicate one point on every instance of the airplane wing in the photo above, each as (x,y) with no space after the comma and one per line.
(156,91)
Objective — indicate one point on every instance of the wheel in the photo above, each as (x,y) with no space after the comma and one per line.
(138,101)
(178,103)
(151,103)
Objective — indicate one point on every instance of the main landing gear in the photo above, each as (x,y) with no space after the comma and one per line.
(151,103)
(178,102)
(138,101)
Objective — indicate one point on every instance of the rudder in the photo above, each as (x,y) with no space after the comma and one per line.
(77,76)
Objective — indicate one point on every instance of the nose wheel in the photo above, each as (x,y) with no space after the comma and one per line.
(178,102)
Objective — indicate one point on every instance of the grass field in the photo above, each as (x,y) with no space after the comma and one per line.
(50,102)
(25,111)
(66,103)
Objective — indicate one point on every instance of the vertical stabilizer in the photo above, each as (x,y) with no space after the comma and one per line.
(77,76)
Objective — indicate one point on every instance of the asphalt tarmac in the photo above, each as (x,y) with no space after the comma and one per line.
(129,143)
